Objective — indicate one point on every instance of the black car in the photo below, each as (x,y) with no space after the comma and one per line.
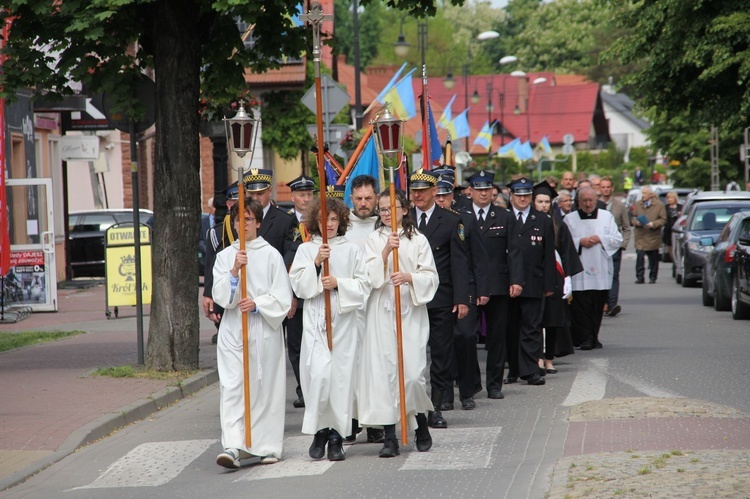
(705,220)
(741,278)
(86,235)
(717,272)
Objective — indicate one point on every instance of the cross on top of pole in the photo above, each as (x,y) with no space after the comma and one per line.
(315,17)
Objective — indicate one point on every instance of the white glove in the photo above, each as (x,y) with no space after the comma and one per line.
(567,288)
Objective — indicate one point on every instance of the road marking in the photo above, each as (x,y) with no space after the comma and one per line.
(643,387)
(590,383)
(455,449)
(151,464)
(295,462)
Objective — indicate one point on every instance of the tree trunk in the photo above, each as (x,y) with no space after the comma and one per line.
(174,329)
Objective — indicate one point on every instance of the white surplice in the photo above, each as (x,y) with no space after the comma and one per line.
(597,260)
(359,229)
(377,384)
(327,378)
(267,285)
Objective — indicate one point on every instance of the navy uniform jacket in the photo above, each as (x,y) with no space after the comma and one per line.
(505,260)
(536,240)
(277,229)
(216,239)
(445,233)
(476,254)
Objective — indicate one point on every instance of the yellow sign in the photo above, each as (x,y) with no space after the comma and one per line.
(124,236)
(120,266)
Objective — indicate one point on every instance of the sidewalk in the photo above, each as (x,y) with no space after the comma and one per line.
(51,405)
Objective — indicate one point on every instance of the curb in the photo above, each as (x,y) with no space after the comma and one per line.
(106,424)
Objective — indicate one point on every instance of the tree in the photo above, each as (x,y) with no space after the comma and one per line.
(692,56)
(369,31)
(187,44)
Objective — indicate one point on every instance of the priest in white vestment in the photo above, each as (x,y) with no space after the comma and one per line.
(269,298)
(327,376)
(378,383)
(596,236)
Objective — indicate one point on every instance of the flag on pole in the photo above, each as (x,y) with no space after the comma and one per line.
(526,151)
(391,83)
(332,175)
(544,145)
(447,115)
(435,149)
(367,164)
(459,126)
(509,150)
(401,97)
(484,138)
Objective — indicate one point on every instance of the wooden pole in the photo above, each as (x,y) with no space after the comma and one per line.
(315,17)
(355,156)
(399,334)
(243,295)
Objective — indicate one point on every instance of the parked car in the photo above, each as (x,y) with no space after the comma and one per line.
(679,226)
(634,195)
(717,272)
(86,236)
(741,279)
(706,220)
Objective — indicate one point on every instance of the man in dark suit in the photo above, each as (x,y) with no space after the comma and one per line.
(445,233)
(535,235)
(464,338)
(278,226)
(504,271)
(216,238)
(302,193)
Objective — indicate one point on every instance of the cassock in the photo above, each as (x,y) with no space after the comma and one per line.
(327,377)
(359,229)
(267,285)
(597,260)
(377,386)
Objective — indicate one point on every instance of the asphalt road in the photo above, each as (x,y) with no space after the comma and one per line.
(663,344)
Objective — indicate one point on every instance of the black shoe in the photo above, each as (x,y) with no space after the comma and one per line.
(299,403)
(318,447)
(640,281)
(468,404)
(597,344)
(390,448)
(542,371)
(652,281)
(446,406)
(614,310)
(335,449)
(496,394)
(436,420)
(375,435)
(551,370)
(510,380)
(356,430)
(587,345)
(422,438)
(535,379)
(215,338)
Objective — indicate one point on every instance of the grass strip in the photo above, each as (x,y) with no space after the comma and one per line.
(11,341)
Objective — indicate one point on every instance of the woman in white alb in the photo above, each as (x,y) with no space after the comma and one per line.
(269,298)
(378,386)
(327,375)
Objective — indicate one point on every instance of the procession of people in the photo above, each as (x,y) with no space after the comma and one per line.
(468,271)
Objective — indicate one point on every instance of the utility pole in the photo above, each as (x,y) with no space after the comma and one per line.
(714,158)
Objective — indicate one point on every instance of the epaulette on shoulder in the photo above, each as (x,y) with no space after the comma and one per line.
(290,211)
(549,216)
(451,210)
(508,210)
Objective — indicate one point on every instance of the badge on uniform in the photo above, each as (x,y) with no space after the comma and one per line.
(297,234)
(461,231)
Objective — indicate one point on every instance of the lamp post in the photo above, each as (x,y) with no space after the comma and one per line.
(475,99)
(401,47)
(357,85)
(450,82)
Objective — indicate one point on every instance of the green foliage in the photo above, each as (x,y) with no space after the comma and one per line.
(693,57)
(370,21)
(10,341)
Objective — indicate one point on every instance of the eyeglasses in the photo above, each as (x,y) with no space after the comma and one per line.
(249,220)
(386,211)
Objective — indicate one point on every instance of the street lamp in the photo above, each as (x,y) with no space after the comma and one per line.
(450,82)
(401,47)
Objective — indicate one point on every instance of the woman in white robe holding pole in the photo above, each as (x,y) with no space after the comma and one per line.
(378,383)
(326,376)
(269,298)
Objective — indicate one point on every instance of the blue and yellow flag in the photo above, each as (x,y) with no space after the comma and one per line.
(401,97)
(484,138)
(447,115)
(544,145)
(459,126)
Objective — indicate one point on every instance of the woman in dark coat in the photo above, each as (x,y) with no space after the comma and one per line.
(556,322)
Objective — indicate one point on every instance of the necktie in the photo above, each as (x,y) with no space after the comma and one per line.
(481,217)
(422,222)
(520,217)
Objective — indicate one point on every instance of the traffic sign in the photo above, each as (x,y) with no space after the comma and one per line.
(568,149)
(336,134)
(334,99)
(568,139)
